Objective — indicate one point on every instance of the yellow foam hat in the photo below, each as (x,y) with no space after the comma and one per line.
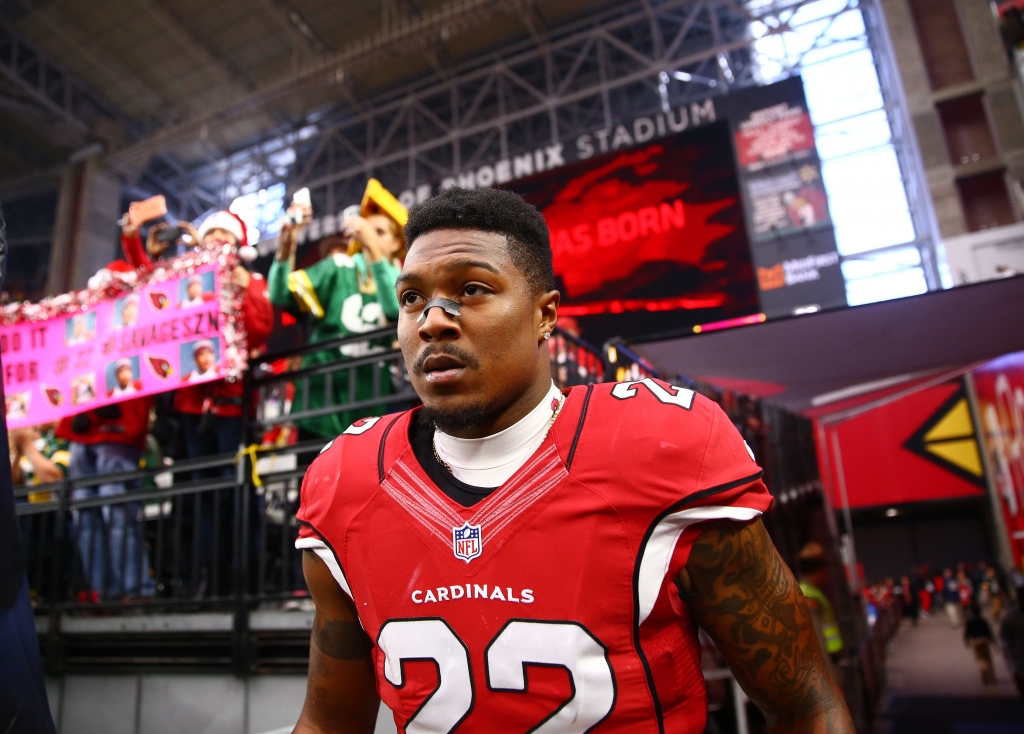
(378,200)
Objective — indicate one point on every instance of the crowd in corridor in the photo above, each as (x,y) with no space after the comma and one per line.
(977,598)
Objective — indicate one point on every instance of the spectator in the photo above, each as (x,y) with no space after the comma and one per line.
(910,604)
(965,590)
(951,597)
(111,545)
(978,635)
(994,593)
(104,441)
(38,457)
(813,568)
(212,411)
(131,242)
(1011,635)
(350,291)
(927,591)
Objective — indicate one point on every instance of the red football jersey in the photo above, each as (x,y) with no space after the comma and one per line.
(551,604)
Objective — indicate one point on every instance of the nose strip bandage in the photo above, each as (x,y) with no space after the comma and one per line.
(452,308)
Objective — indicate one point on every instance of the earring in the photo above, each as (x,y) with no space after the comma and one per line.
(547,334)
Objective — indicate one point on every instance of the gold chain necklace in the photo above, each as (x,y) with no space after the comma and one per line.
(554,414)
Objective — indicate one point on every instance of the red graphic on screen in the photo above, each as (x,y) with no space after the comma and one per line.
(654,228)
(772,134)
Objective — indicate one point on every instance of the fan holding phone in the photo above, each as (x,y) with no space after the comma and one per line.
(211,412)
(351,290)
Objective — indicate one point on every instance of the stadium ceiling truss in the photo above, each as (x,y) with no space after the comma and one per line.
(576,79)
(641,58)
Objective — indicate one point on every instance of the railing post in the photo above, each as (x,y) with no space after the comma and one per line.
(54,648)
(243,473)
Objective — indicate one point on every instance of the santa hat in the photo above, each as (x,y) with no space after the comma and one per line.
(201,345)
(229,222)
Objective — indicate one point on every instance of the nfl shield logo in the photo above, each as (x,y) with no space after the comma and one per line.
(467,541)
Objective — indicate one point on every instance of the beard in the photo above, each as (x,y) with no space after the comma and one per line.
(453,420)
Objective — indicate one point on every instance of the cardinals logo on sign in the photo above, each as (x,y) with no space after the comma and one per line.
(467,541)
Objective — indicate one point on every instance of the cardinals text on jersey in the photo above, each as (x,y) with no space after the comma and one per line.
(550,605)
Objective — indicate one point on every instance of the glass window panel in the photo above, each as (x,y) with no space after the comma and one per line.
(831,50)
(854,134)
(888,261)
(886,287)
(814,11)
(867,201)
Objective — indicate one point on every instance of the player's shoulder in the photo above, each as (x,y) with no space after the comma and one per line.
(346,473)
(358,455)
(643,406)
(356,450)
(661,428)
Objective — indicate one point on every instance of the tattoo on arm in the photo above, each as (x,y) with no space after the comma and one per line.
(340,640)
(742,593)
(341,696)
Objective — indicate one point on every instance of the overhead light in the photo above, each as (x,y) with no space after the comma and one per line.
(682,76)
(892,512)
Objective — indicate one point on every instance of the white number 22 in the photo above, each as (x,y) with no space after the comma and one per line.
(520,643)
(682,396)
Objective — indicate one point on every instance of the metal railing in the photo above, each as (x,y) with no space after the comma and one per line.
(206,575)
(213,538)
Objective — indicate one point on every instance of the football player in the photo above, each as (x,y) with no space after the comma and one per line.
(510,557)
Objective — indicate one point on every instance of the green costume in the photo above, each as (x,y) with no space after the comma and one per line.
(344,296)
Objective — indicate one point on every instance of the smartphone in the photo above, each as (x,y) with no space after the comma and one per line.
(148,210)
(301,198)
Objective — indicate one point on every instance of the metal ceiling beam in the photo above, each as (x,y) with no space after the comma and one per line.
(452,18)
(292,22)
(49,87)
(198,48)
(67,33)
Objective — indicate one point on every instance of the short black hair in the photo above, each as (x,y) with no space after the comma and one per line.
(491,210)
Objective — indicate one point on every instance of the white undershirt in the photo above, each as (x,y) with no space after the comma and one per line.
(490,461)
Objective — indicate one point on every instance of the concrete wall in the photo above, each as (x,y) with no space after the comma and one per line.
(181,704)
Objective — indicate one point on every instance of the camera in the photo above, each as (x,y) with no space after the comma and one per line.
(169,234)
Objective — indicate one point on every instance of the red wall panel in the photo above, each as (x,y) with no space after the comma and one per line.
(878,469)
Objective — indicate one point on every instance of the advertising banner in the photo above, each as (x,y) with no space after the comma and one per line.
(999,387)
(791,236)
(133,336)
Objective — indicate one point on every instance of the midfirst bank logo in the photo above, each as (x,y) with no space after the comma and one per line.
(793,272)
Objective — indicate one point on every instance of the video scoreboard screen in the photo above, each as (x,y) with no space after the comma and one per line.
(650,238)
(715,223)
